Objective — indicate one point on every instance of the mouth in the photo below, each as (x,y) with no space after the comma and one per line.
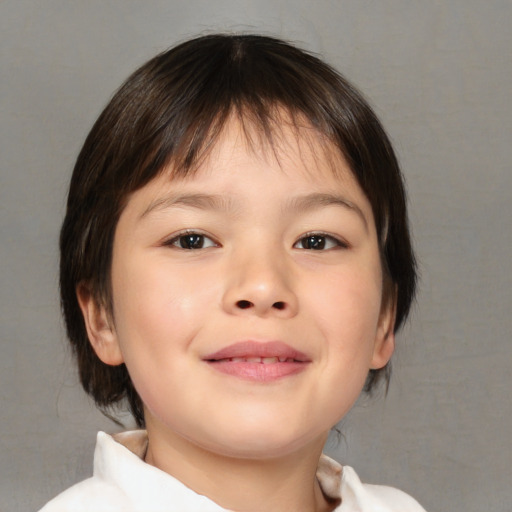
(256,361)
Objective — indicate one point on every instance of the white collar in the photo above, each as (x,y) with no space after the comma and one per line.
(119,462)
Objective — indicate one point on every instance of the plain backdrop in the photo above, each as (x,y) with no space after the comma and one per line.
(439,74)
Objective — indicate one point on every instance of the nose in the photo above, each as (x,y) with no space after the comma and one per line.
(262,285)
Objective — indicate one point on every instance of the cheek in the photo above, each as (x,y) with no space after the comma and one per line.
(347,307)
(157,315)
(349,294)
(154,304)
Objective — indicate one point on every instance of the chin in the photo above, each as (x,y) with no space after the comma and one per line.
(265,443)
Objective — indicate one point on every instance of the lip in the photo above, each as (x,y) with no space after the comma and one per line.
(258,361)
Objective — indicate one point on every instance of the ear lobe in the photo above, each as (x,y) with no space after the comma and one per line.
(100,330)
(384,345)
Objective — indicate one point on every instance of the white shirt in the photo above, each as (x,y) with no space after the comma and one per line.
(123,482)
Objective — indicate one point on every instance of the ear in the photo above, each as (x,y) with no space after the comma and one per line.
(384,345)
(100,329)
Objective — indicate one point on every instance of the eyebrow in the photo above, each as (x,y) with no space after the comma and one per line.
(199,201)
(318,200)
(222,203)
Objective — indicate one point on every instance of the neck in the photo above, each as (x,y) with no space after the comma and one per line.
(243,484)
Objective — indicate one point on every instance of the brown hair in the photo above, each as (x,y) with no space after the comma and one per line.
(172,109)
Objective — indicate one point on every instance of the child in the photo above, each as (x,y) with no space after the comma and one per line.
(235,261)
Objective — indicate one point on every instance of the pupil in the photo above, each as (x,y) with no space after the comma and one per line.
(315,242)
(191,241)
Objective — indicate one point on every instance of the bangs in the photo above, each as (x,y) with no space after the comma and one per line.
(188,96)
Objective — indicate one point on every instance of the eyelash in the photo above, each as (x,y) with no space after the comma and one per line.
(319,239)
(335,242)
(176,240)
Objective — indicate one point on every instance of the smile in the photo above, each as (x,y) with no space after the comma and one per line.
(261,362)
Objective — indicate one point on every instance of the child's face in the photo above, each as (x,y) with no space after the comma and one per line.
(250,257)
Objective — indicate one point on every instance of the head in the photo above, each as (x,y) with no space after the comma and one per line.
(171,112)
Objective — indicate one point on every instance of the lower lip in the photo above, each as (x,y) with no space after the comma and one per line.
(259,372)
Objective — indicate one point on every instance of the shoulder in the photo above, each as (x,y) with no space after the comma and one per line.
(357,496)
(122,481)
(100,493)
(91,494)
(341,484)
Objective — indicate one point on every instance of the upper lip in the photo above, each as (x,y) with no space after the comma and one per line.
(246,349)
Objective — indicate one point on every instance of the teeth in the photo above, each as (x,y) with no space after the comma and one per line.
(263,360)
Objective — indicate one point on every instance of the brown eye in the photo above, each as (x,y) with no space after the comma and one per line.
(191,241)
(318,242)
(313,242)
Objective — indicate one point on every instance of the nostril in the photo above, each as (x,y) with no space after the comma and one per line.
(244,304)
(278,305)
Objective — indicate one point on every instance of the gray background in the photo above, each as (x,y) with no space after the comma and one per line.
(439,74)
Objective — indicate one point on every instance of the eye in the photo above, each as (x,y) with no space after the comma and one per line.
(319,242)
(191,241)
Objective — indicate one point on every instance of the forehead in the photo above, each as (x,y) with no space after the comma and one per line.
(286,142)
(294,169)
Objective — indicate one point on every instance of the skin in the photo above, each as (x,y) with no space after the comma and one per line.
(254,278)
